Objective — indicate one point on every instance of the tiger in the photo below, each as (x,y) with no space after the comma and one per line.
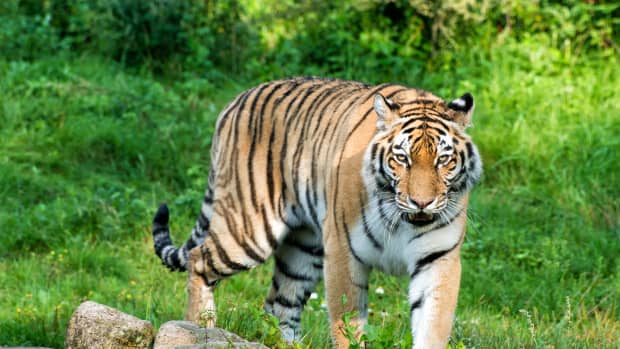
(333,178)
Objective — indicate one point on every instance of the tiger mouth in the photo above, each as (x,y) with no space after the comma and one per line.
(420,218)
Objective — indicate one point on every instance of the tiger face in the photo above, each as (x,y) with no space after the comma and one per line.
(422,158)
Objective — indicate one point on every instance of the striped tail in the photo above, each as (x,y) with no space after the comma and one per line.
(172,257)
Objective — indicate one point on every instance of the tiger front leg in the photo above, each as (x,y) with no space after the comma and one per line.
(346,288)
(433,294)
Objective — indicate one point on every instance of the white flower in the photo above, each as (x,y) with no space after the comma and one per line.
(379,290)
(313,295)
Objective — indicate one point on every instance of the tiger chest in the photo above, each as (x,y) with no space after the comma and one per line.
(378,247)
(397,249)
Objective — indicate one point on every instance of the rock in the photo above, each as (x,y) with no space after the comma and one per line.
(187,335)
(94,325)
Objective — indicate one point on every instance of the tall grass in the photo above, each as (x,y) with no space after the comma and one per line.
(88,150)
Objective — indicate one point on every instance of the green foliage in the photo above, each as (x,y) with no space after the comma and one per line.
(377,39)
(146,31)
(36,36)
(162,34)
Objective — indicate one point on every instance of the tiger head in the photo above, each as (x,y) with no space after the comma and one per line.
(421,161)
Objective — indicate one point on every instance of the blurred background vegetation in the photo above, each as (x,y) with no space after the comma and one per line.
(107,108)
(260,39)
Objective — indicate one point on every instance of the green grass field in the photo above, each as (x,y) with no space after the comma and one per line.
(88,150)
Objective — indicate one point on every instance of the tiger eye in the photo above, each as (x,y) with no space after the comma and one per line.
(401,158)
(443,159)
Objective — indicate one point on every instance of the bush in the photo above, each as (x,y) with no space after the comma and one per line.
(380,40)
(27,37)
(159,34)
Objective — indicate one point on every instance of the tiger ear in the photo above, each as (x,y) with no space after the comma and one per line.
(462,110)
(386,110)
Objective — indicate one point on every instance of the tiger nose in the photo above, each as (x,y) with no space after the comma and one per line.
(421,203)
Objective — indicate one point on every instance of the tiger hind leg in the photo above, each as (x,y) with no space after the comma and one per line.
(201,299)
(229,247)
(298,268)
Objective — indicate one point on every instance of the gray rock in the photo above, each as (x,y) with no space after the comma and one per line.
(187,335)
(94,326)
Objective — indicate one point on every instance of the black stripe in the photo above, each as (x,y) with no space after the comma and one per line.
(175,262)
(415,141)
(275,284)
(253,130)
(342,90)
(234,153)
(313,214)
(251,253)
(373,152)
(302,141)
(224,256)
(439,226)
(415,305)
(430,258)
(286,271)
(203,221)
(206,281)
(286,303)
(421,100)
(294,117)
(234,231)
(425,111)
(340,117)
(307,293)
(326,93)
(348,235)
(190,243)
(231,107)
(382,171)
(268,232)
(383,215)
(425,119)
(411,129)
(284,147)
(470,150)
(301,299)
(252,112)
(316,251)
(289,324)
(367,231)
(269,173)
(206,254)
(264,106)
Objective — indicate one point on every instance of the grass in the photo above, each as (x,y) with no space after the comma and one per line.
(89,149)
